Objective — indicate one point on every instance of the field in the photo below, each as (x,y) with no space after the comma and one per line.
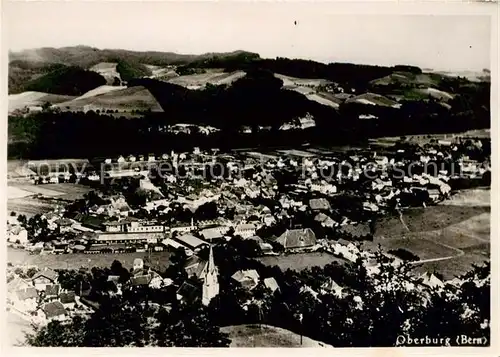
(372,99)
(292,81)
(33,99)
(436,93)
(126,99)
(474,197)
(426,219)
(425,139)
(267,336)
(300,261)
(216,77)
(107,70)
(322,100)
(408,78)
(76,261)
(21,200)
(100,90)
(447,238)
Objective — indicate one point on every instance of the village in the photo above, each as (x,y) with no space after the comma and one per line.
(281,204)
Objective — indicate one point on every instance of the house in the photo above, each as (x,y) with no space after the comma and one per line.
(245,230)
(308,290)
(18,284)
(44,278)
(268,219)
(434,194)
(92,222)
(430,280)
(53,310)
(325,220)
(138,264)
(214,233)
(189,292)
(25,300)
(143,237)
(249,279)
(18,235)
(297,238)
(195,266)
(324,188)
(319,204)
(52,291)
(172,245)
(192,242)
(331,287)
(139,280)
(68,299)
(271,284)
(368,206)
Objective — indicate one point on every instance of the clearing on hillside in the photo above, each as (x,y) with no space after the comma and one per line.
(214,76)
(267,336)
(373,99)
(107,70)
(304,82)
(99,90)
(127,99)
(34,99)
(447,239)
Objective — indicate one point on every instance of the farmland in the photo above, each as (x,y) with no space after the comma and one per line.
(300,261)
(215,77)
(447,238)
(307,82)
(24,199)
(35,99)
(124,99)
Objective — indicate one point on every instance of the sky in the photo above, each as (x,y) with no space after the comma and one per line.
(444,42)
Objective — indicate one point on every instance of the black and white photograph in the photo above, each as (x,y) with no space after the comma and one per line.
(236,174)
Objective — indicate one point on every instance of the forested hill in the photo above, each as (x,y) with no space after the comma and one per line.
(85,56)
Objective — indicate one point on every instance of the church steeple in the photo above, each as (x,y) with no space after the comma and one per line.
(210,280)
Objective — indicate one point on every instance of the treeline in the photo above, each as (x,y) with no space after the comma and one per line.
(66,81)
(353,75)
(256,99)
(22,72)
(129,70)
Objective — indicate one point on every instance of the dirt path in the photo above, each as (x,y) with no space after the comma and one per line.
(459,253)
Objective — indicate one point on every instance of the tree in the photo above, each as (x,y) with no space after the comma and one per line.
(57,334)
(46,106)
(189,325)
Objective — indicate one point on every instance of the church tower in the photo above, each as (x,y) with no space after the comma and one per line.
(210,280)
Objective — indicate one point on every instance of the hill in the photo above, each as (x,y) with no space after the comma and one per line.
(267,336)
(66,81)
(22,72)
(85,56)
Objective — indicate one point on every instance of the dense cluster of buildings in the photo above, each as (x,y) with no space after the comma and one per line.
(340,192)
